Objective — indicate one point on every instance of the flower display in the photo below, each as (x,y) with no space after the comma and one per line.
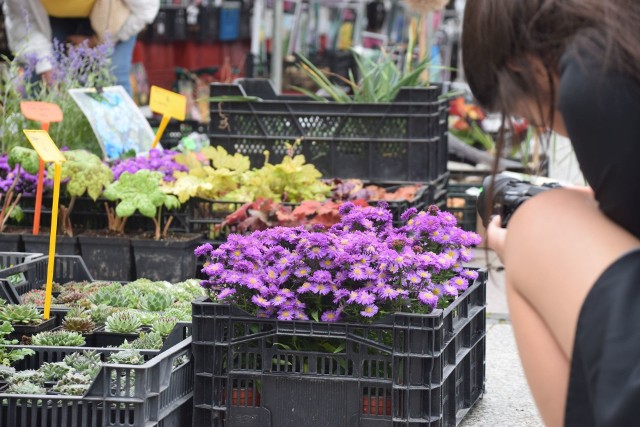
(156,160)
(359,269)
(26,184)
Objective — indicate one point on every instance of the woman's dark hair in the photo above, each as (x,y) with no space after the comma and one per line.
(500,38)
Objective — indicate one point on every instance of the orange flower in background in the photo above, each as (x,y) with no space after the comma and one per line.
(458,107)
(461,125)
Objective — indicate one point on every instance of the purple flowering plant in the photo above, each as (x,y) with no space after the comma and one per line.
(156,160)
(357,270)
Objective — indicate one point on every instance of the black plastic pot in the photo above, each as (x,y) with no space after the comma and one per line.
(170,260)
(102,338)
(107,258)
(65,245)
(11,242)
(20,330)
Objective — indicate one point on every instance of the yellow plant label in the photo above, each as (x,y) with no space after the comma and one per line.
(167,103)
(43,112)
(44,145)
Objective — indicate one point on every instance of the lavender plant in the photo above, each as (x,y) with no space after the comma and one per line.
(359,269)
(75,67)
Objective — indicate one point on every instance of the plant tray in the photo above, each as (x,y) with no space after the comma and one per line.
(156,393)
(404,370)
(67,268)
(9,260)
(404,140)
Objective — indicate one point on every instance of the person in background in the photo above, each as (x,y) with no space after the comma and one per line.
(571,255)
(33,25)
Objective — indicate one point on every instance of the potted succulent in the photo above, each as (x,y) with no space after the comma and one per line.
(159,255)
(26,320)
(119,326)
(79,320)
(58,338)
(362,299)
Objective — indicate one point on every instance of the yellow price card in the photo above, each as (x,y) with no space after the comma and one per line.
(167,103)
(44,145)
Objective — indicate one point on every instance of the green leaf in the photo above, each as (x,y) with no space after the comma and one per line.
(140,191)
(233,98)
(25,157)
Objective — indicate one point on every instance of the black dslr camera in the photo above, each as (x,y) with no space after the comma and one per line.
(507,194)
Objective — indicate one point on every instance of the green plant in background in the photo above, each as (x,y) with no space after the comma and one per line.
(141,192)
(124,322)
(187,291)
(99,313)
(86,362)
(8,357)
(148,317)
(126,357)
(58,338)
(381,80)
(6,372)
(164,325)
(54,371)
(156,301)
(21,314)
(76,67)
(73,383)
(28,376)
(180,312)
(111,296)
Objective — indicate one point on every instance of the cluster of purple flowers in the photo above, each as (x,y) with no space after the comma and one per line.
(359,268)
(157,160)
(26,184)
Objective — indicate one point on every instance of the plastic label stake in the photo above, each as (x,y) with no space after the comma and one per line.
(170,105)
(49,152)
(45,113)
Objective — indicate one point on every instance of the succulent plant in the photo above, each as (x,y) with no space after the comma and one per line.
(21,314)
(111,297)
(36,297)
(100,313)
(147,317)
(6,372)
(125,322)
(83,325)
(146,341)
(126,357)
(54,371)
(28,376)
(87,362)
(182,313)
(78,312)
(58,338)
(25,388)
(73,383)
(7,357)
(156,301)
(164,325)
(70,297)
(187,291)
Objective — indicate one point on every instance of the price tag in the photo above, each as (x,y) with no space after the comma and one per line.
(167,103)
(44,145)
(43,112)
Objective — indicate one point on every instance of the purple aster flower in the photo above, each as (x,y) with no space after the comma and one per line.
(413,279)
(466,254)
(301,271)
(358,272)
(304,288)
(243,266)
(353,297)
(469,274)
(428,298)
(365,298)
(300,315)
(203,250)
(225,293)
(286,314)
(388,293)
(287,293)
(369,310)
(460,283)
(260,301)
(278,301)
(251,281)
(321,288)
(330,316)
(408,214)
(213,269)
(346,208)
(321,276)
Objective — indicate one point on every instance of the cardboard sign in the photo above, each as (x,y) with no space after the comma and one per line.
(44,145)
(167,103)
(43,112)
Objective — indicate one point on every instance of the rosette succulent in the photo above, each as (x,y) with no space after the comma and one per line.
(54,371)
(86,362)
(73,383)
(125,322)
(164,325)
(126,357)
(146,341)
(58,338)
(156,301)
(84,325)
(25,388)
(21,314)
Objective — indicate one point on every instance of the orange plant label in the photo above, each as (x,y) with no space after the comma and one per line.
(43,112)
(167,103)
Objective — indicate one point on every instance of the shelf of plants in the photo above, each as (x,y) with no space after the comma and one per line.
(367,325)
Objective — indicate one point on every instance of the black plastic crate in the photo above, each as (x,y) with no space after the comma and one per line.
(156,393)
(203,25)
(404,140)
(66,268)
(404,370)
(8,260)
(462,205)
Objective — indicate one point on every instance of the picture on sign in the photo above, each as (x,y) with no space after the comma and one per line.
(116,120)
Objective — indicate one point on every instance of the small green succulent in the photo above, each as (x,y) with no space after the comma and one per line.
(164,325)
(156,301)
(21,314)
(58,338)
(187,291)
(182,313)
(148,317)
(25,388)
(79,324)
(70,298)
(28,376)
(100,313)
(87,362)
(6,372)
(126,357)
(35,297)
(54,371)
(78,312)
(73,383)
(113,297)
(146,341)
(125,322)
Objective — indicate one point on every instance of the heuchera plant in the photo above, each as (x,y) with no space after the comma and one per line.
(141,192)
(358,269)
